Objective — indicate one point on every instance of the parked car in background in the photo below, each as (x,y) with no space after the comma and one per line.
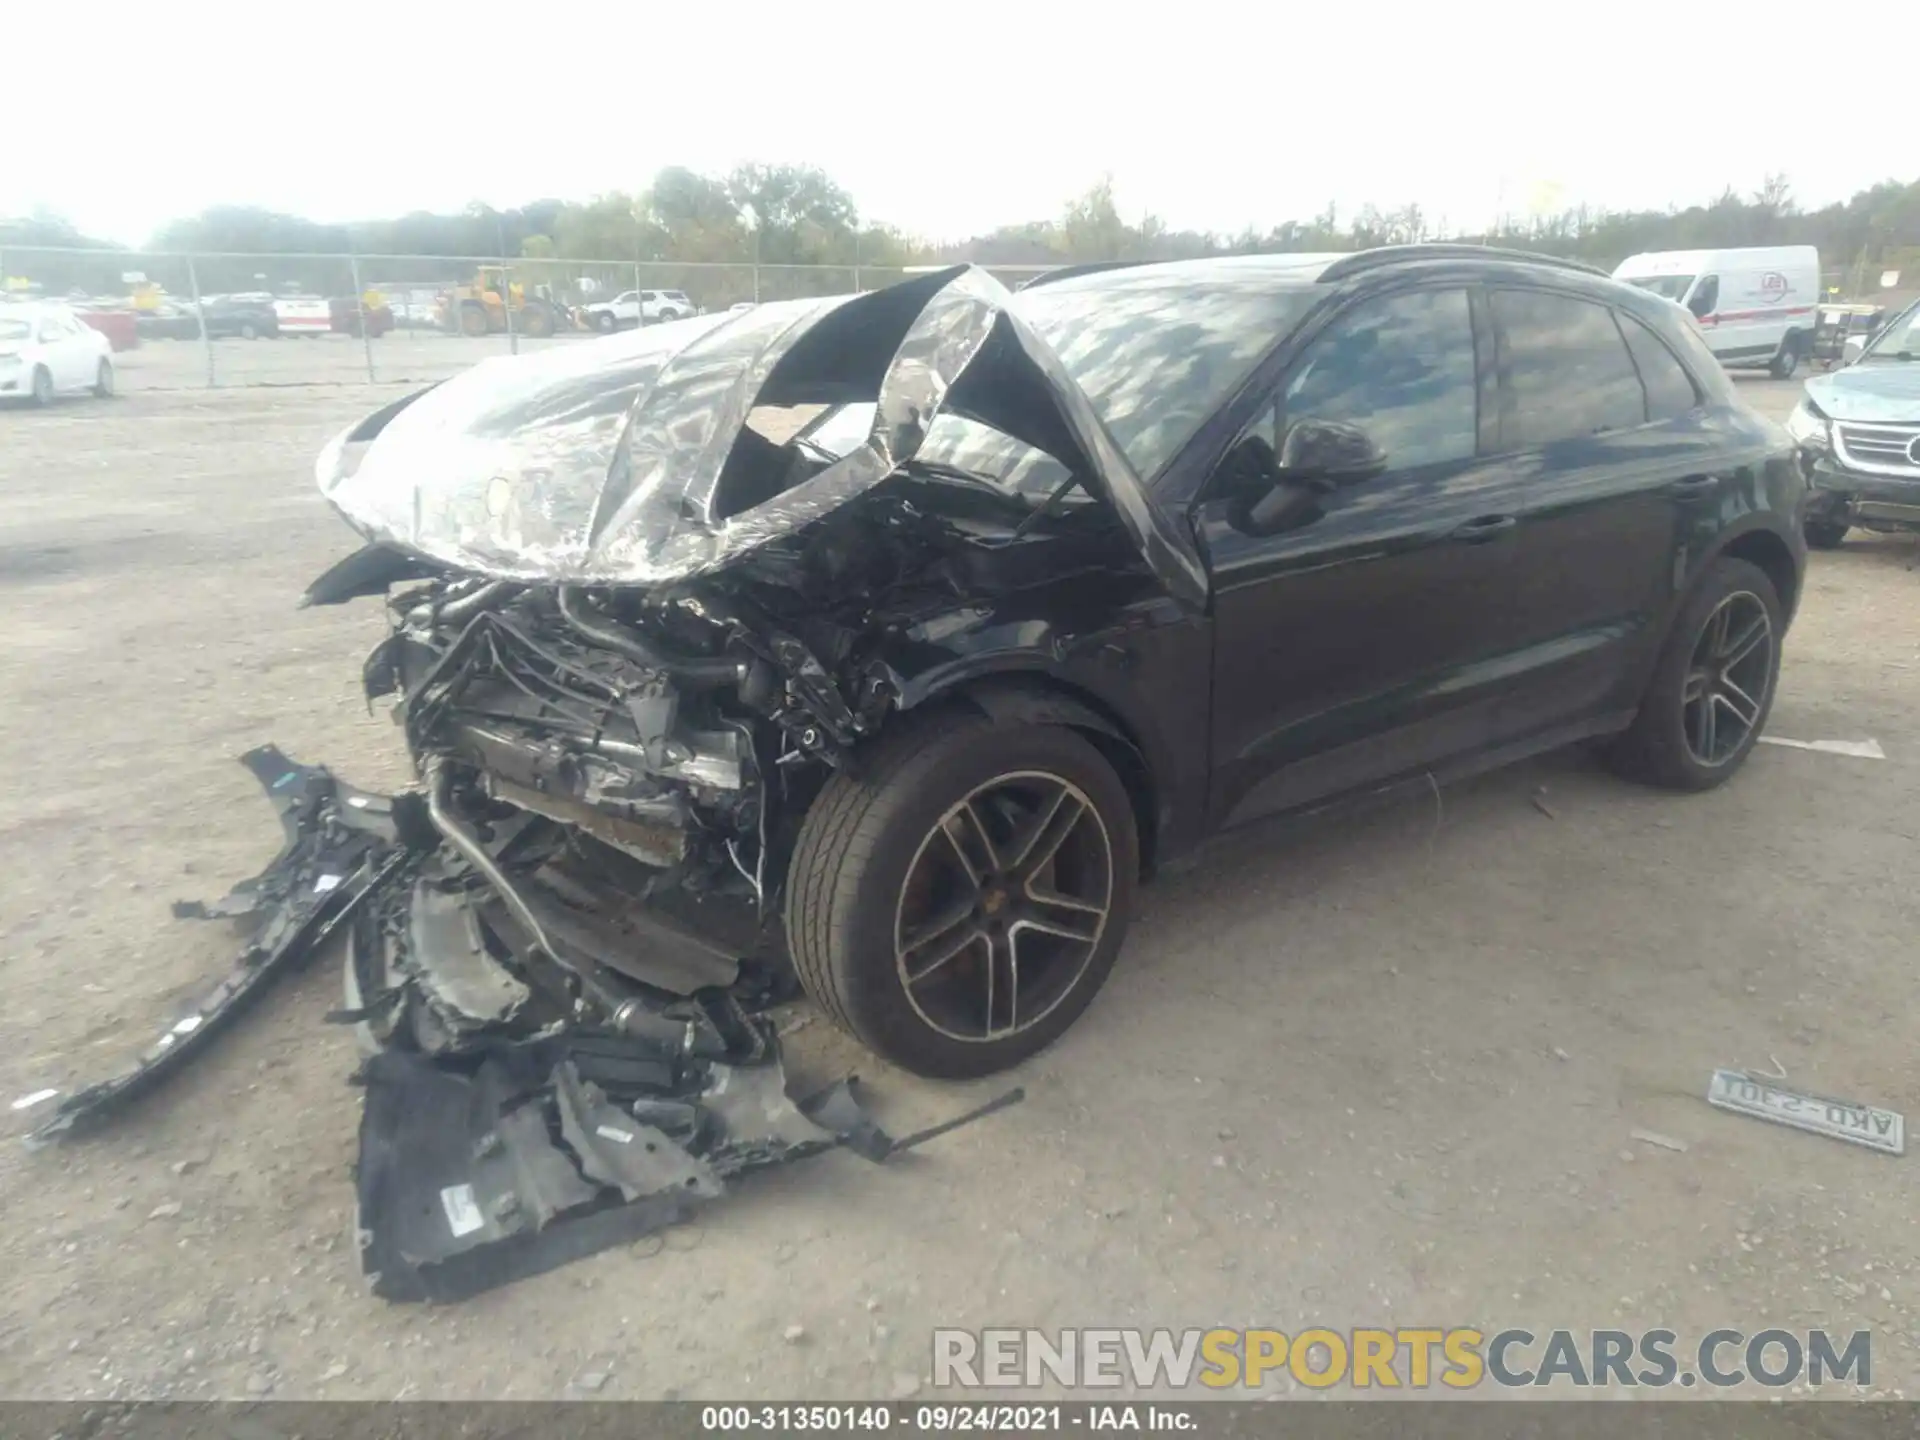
(168,320)
(1203,541)
(1754,307)
(117,324)
(303,315)
(243,317)
(46,351)
(635,307)
(346,316)
(1859,434)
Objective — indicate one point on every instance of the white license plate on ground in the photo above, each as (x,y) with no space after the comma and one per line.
(1857,1124)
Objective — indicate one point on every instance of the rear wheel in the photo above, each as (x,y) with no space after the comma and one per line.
(103,381)
(248,331)
(958,903)
(1713,684)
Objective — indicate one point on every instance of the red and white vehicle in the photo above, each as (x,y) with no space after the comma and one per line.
(303,315)
(1756,306)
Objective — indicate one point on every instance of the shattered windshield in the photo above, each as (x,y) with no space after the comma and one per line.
(1671,287)
(1155,357)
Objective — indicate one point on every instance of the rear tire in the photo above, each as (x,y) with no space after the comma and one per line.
(878,862)
(1671,743)
(103,381)
(248,332)
(1826,534)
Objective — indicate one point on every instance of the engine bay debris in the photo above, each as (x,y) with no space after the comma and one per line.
(536,1086)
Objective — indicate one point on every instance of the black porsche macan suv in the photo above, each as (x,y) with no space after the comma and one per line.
(899,635)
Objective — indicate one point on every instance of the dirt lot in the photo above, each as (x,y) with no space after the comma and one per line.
(1379,1069)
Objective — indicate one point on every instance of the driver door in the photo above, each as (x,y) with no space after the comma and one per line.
(1362,637)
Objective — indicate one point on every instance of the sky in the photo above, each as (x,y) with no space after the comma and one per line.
(947,121)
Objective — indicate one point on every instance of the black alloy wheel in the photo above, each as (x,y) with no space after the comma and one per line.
(1730,676)
(957,900)
(1003,907)
(1712,686)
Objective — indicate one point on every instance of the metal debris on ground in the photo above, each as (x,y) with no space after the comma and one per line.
(1749,1092)
(1654,1137)
(547,1074)
(1868,749)
(1540,803)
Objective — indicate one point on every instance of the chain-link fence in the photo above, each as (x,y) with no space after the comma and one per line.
(190,320)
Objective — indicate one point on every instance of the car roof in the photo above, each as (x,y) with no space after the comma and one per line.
(1297,268)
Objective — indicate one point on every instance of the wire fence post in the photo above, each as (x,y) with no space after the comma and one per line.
(200,318)
(363,313)
(506,306)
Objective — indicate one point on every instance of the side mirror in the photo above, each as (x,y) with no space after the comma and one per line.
(1316,458)
(1327,454)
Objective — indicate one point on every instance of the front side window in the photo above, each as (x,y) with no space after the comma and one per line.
(15,330)
(1705,298)
(1668,287)
(1565,371)
(1401,368)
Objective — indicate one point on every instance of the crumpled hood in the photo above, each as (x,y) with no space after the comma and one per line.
(600,462)
(1877,392)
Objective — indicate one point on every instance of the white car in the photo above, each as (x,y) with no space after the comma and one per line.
(45,351)
(637,307)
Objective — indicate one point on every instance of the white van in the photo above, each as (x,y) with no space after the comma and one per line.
(1754,307)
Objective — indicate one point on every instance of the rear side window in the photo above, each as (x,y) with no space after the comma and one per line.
(1565,371)
(1401,367)
(1670,391)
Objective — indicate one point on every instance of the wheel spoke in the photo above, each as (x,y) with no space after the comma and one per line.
(1704,729)
(1738,648)
(1697,684)
(1717,630)
(1039,840)
(1001,957)
(946,935)
(967,834)
(1061,915)
(1737,703)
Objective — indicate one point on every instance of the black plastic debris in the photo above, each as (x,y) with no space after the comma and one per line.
(533,1092)
(341,845)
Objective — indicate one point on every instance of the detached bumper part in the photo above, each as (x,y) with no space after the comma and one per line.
(540,1086)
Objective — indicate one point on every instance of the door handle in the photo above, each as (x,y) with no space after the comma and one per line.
(1695,487)
(1482,528)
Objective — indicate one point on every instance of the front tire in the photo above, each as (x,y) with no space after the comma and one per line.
(103,381)
(1787,361)
(1713,684)
(957,903)
(249,332)
(42,386)
(605,323)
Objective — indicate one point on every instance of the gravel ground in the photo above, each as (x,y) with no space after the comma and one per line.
(1378,1069)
